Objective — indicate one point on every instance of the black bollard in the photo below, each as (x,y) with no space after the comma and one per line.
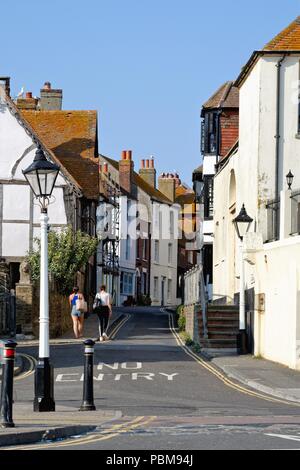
(8,360)
(88,383)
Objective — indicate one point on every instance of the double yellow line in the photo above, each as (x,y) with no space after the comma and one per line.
(119,326)
(109,433)
(30,371)
(213,370)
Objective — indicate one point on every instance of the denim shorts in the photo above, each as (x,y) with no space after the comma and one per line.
(75,313)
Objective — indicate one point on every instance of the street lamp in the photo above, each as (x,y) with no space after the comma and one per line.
(289,180)
(41,176)
(242,225)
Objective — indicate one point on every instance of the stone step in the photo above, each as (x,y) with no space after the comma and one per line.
(222,335)
(223,308)
(218,343)
(219,316)
(227,323)
(228,326)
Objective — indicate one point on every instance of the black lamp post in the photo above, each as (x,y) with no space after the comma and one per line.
(41,176)
(242,225)
(289,179)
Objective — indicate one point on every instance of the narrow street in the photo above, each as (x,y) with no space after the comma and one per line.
(167,399)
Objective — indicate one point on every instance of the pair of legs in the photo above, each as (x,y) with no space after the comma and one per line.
(78,319)
(103,318)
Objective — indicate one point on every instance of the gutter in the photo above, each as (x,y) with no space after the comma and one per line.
(253,59)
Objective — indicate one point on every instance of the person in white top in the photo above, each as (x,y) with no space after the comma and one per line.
(102,307)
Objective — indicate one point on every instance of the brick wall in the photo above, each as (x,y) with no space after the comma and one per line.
(229,130)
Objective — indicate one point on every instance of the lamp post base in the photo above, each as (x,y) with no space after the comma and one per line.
(43,387)
(87,407)
(242,342)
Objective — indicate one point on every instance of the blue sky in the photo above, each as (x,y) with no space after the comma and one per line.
(145,65)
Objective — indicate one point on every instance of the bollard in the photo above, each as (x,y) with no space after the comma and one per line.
(88,383)
(8,360)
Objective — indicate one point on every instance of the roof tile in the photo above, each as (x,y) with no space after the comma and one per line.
(287,40)
(72,137)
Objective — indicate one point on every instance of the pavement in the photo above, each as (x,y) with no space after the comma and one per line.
(31,427)
(260,374)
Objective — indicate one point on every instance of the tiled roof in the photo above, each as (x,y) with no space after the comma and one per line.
(227,96)
(72,137)
(287,40)
(184,195)
(141,183)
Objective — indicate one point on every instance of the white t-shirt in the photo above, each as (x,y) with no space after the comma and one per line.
(104,297)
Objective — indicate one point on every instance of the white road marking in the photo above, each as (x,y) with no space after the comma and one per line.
(282,436)
(143,375)
(170,376)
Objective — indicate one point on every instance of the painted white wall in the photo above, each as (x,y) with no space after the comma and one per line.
(16,202)
(274,268)
(277,330)
(209,162)
(15,239)
(15,143)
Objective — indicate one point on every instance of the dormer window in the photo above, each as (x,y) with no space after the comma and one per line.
(209,133)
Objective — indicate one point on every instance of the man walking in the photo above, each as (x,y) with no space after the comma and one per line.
(103,309)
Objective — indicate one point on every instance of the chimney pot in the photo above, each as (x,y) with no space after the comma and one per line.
(143,163)
(28,95)
(147,163)
(128,154)
(151,162)
(124,154)
(47,86)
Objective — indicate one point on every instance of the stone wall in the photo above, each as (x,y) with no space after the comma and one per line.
(27,297)
(192,313)
(59,313)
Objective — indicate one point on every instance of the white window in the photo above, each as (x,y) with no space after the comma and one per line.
(156,287)
(170,253)
(126,283)
(156,251)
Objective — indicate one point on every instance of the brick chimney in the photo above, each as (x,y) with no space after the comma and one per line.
(51,100)
(148,172)
(166,185)
(126,167)
(28,103)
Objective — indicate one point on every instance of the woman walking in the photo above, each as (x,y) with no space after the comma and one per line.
(103,309)
(77,316)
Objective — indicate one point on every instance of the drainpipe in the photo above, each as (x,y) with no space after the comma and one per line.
(277,136)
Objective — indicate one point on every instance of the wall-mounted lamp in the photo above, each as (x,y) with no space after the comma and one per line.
(289,179)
